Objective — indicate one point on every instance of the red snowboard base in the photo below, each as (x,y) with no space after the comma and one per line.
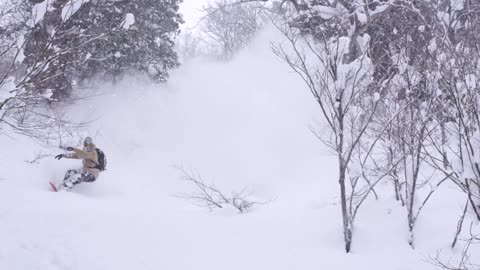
(53,187)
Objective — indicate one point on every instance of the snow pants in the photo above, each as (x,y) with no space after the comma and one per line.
(75,177)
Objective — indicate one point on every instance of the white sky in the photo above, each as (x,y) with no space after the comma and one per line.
(191,12)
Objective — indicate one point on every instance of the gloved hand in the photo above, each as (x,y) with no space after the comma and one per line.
(58,157)
(69,148)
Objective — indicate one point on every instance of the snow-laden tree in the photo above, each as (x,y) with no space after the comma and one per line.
(422,62)
(22,109)
(457,57)
(81,40)
(348,99)
(330,50)
(139,36)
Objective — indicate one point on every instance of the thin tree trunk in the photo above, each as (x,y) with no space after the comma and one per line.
(347,230)
(342,167)
(398,190)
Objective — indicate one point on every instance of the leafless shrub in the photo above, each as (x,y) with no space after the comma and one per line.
(211,197)
(37,157)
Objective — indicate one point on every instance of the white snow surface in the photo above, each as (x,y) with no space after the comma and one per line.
(239,124)
(192,13)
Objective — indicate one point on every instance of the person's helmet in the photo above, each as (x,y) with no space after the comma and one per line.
(87,142)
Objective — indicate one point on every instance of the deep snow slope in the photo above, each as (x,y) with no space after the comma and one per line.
(241,125)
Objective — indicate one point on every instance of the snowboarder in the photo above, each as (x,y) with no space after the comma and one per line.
(91,165)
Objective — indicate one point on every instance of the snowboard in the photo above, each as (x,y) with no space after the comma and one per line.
(53,187)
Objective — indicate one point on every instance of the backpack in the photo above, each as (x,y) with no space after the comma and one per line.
(102,160)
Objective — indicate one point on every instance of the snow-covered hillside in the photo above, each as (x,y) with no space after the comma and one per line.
(238,126)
